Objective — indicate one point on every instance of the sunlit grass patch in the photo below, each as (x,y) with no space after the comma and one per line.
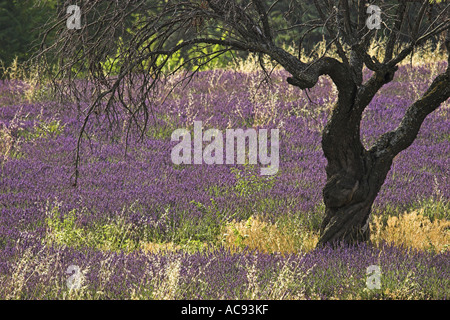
(115,235)
(28,87)
(258,234)
(284,235)
(413,230)
(249,182)
(154,247)
(434,209)
(42,129)
(6,142)
(161,128)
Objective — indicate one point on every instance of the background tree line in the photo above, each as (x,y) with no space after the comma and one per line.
(22,23)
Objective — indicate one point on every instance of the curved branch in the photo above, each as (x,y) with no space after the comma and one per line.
(308,77)
(393,142)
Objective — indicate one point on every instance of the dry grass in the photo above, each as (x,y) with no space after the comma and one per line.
(30,87)
(413,230)
(153,247)
(166,287)
(258,234)
(280,287)
(6,142)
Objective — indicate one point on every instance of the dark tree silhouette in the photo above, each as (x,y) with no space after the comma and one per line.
(160,29)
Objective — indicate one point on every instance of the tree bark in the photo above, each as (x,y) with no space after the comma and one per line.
(349,191)
(348,196)
(355,175)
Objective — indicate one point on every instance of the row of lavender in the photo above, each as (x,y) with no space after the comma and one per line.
(164,202)
(41,273)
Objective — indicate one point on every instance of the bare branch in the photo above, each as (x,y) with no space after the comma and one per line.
(264,19)
(406,51)
(393,142)
(421,14)
(394,32)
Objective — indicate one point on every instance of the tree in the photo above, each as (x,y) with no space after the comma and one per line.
(354,174)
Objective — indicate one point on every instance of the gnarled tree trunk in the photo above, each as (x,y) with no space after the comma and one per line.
(353,182)
(354,174)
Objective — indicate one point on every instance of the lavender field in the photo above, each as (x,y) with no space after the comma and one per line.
(137,226)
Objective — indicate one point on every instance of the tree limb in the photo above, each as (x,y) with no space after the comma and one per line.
(264,19)
(393,142)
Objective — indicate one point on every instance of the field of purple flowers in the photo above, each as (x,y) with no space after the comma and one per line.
(136,226)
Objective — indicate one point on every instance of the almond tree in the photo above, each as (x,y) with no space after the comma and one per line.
(158,30)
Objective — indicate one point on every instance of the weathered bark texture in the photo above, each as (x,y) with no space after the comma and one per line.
(355,175)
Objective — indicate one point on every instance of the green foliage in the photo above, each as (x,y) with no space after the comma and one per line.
(52,128)
(249,182)
(173,61)
(20,26)
(435,209)
(63,230)
(432,208)
(217,190)
(240,238)
(180,229)
(161,130)
(209,57)
(43,129)
(112,63)
(117,235)
(207,227)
